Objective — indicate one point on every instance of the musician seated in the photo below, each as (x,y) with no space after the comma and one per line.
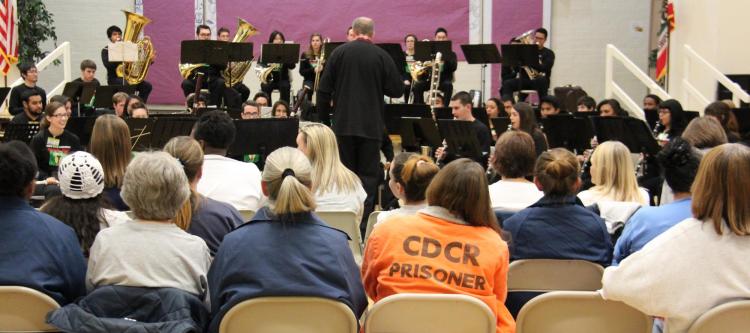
(88,73)
(409,41)
(194,103)
(439,100)
(119,101)
(586,104)
(30,76)
(461,108)
(541,82)
(64,100)
(223,35)
(280,109)
(447,69)
(212,78)
(279,76)
(549,106)
(250,110)
(507,105)
(309,64)
(261,98)
(32,108)
(115,35)
(138,110)
(610,108)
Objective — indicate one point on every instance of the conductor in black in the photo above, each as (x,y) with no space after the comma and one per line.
(356,77)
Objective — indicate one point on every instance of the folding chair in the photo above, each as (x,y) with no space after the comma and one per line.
(25,310)
(289,315)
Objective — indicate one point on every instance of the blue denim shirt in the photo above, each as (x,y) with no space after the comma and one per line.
(558,228)
(39,252)
(268,257)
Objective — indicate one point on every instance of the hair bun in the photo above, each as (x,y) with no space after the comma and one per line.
(676,153)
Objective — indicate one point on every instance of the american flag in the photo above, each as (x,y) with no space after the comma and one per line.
(8,35)
(662,56)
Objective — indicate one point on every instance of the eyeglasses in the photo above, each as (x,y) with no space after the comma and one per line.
(61,115)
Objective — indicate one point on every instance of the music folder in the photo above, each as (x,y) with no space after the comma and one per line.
(519,54)
(481,53)
(632,132)
(103,95)
(279,53)
(461,138)
(394,113)
(126,51)
(418,132)
(425,51)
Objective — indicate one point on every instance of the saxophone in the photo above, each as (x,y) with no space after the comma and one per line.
(135,72)
(239,69)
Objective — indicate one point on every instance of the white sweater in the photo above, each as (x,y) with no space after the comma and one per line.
(148,254)
(682,273)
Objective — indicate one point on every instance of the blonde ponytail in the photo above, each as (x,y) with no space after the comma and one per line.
(287,176)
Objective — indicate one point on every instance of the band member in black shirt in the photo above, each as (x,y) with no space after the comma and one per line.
(280,75)
(115,35)
(30,76)
(540,82)
(447,69)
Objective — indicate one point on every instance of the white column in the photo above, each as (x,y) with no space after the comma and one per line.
(547,20)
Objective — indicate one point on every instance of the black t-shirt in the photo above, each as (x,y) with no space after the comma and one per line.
(358,74)
(23,118)
(307,68)
(16,103)
(50,150)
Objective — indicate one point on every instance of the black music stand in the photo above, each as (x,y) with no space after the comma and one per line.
(501,124)
(743,120)
(239,52)
(164,129)
(418,132)
(516,55)
(140,132)
(394,113)
(632,132)
(482,54)
(443,113)
(79,93)
(652,118)
(103,95)
(397,54)
(279,54)
(461,138)
(330,46)
(481,115)
(426,51)
(4,91)
(263,136)
(20,132)
(81,127)
(569,132)
(211,52)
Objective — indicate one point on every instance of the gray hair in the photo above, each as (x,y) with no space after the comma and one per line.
(155,186)
(363,26)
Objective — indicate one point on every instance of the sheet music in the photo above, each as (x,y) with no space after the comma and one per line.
(122,51)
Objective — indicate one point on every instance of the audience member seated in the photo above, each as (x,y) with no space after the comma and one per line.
(138,110)
(409,176)
(680,162)
(151,251)
(702,261)
(336,188)
(522,118)
(400,256)
(702,133)
(586,104)
(549,106)
(225,179)
(201,216)
(81,205)
(38,251)
(31,111)
(285,250)
(726,118)
(280,109)
(30,76)
(110,144)
(514,160)
(671,121)
(610,108)
(615,189)
(250,110)
(53,142)
(558,226)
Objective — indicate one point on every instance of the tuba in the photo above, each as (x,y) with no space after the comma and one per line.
(264,73)
(238,70)
(528,38)
(135,72)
